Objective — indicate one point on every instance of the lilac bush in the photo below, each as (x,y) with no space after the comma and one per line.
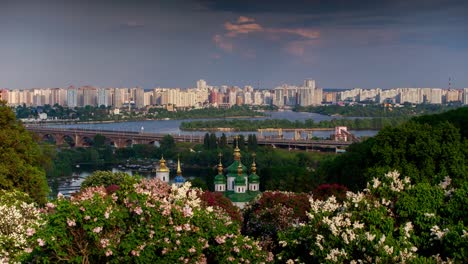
(145,222)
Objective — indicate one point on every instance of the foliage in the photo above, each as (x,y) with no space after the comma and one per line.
(146,222)
(424,152)
(21,158)
(107,178)
(273,212)
(19,218)
(377,110)
(389,222)
(216,199)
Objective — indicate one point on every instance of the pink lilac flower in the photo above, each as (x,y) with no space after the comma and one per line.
(97,229)
(187,211)
(108,252)
(138,210)
(41,242)
(220,240)
(71,222)
(30,231)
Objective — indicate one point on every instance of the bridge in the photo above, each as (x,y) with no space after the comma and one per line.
(119,139)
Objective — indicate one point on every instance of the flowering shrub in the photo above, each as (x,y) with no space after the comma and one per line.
(373,226)
(272,212)
(19,219)
(216,199)
(147,222)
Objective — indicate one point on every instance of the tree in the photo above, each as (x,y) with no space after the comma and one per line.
(107,178)
(242,142)
(21,158)
(213,141)
(206,141)
(252,142)
(99,141)
(167,143)
(223,141)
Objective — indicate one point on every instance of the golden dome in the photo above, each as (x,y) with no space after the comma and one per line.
(179,170)
(162,165)
(239,168)
(237,154)
(254,166)
(220,165)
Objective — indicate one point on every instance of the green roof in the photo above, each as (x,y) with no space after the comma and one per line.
(241,197)
(254,178)
(220,179)
(232,169)
(239,181)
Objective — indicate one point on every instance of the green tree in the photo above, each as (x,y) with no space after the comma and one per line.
(223,141)
(21,158)
(213,141)
(99,141)
(167,143)
(206,141)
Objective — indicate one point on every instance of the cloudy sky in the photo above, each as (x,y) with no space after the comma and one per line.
(265,43)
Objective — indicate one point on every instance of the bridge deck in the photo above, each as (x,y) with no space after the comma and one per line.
(147,137)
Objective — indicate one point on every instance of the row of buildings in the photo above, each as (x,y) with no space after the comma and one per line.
(225,96)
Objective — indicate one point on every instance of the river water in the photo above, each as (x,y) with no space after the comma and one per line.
(172,126)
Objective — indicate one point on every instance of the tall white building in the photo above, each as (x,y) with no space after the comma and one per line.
(72,97)
(436,96)
(201,84)
(104,97)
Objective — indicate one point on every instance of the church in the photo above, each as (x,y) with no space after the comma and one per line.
(162,173)
(236,185)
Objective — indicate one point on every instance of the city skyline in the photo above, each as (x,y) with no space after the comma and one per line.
(344,44)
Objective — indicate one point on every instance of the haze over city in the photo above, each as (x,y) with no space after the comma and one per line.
(342,44)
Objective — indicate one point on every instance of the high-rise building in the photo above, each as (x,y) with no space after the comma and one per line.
(309,83)
(104,97)
(117,101)
(465,96)
(201,84)
(4,95)
(436,96)
(138,95)
(89,94)
(72,97)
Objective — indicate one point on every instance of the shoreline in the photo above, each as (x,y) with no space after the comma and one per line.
(65,122)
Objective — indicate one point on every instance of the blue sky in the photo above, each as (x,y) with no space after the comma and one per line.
(173,43)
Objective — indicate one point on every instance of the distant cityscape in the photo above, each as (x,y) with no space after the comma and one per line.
(204,95)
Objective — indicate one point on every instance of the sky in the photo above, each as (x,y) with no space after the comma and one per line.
(263,43)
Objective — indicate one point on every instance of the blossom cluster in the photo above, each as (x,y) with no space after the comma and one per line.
(147,221)
(360,229)
(18,221)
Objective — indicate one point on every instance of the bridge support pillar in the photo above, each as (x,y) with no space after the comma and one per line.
(297,135)
(58,140)
(78,141)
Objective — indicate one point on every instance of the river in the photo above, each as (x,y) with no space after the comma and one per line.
(172,126)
